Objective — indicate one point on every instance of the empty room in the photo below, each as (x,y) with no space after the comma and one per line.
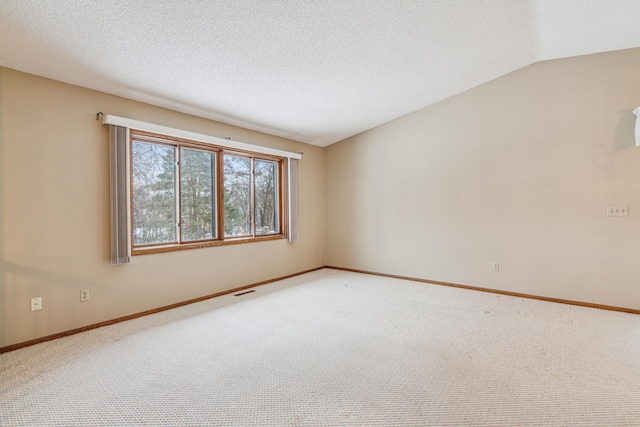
(320,213)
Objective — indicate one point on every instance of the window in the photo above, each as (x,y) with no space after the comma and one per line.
(239,185)
(187,194)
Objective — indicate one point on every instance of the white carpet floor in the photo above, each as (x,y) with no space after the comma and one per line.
(333,348)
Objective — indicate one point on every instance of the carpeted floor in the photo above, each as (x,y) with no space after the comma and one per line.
(333,348)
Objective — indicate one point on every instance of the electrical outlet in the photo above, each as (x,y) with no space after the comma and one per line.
(36,303)
(495,266)
(84,295)
(617,210)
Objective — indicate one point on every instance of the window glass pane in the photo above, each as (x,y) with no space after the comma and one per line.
(266,191)
(237,196)
(197,195)
(154,193)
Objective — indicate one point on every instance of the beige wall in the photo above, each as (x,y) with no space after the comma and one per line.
(518,171)
(54,215)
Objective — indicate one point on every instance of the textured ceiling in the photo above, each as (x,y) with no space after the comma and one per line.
(310,70)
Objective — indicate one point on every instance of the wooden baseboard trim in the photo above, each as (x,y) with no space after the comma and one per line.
(495,291)
(353,270)
(144,313)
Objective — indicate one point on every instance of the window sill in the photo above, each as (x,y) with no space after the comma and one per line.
(185,246)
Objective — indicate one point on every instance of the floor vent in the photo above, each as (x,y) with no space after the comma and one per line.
(243,293)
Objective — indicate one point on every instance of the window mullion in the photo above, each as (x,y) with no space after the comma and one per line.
(178,196)
(214,197)
(253,197)
(220,193)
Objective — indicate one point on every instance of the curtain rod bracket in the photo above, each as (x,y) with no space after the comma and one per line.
(99,115)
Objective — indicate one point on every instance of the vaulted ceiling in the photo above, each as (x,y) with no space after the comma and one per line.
(316,71)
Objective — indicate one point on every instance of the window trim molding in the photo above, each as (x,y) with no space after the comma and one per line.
(109,119)
(145,250)
(220,240)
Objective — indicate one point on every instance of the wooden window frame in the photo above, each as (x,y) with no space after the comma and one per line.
(220,239)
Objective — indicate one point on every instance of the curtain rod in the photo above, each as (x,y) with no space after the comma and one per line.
(108,119)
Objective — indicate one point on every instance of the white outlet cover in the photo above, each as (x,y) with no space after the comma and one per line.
(618,210)
(36,303)
(85,295)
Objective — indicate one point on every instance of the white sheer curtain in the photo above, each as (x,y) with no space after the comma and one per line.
(120,247)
